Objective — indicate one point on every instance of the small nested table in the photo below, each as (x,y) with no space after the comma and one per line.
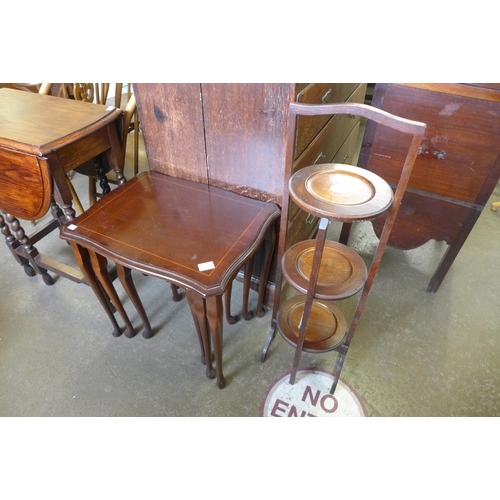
(192,235)
(41,139)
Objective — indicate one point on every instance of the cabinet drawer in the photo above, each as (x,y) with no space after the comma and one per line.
(326,145)
(301,227)
(330,139)
(347,152)
(319,93)
(326,93)
(302,224)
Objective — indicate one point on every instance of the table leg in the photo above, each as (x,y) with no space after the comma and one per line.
(227,304)
(215,313)
(175,293)
(125,277)
(264,273)
(83,260)
(12,244)
(99,264)
(452,251)
(115,155)
(101,174)
(62,194)
(197,307)
(29,251)
(247,280)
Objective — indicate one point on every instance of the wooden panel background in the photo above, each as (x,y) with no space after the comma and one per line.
(171,119)
(245,127)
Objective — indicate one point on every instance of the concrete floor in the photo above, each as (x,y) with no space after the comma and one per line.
(414,353)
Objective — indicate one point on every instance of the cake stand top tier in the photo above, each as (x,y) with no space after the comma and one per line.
(340,192)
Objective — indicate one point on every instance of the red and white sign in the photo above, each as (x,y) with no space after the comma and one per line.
(310,397)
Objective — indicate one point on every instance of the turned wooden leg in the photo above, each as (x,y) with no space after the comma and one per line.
(246,288)
(28,249)
(12,244)
(99,264)
(101,177)
(197,307)
(227,301)
(115,154)
(82,258)
(125,277)
(214,315)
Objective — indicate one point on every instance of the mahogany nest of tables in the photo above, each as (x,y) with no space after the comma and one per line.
(193,235)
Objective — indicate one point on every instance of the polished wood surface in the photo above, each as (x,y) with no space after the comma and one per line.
(344,192)
(26,188)
(326,327)
(456,170)
(342,272)
(37,124)
(192,225)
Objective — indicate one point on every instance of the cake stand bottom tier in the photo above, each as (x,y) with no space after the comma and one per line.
(326,328)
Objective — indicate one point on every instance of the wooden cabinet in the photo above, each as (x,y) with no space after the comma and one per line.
(457,168)
(233,135)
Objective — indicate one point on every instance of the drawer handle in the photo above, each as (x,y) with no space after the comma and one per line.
(309,219)
(327,96)
(320,157)
(345,158)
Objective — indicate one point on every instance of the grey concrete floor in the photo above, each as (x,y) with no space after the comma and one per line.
(414,353)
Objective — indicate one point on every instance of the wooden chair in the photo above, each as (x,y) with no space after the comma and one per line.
(98,173)
(123,101)
(97,170)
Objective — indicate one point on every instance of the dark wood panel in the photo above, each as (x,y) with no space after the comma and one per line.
(172,123)
(456,154)
(25,186)
(245,130)
(421,219)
